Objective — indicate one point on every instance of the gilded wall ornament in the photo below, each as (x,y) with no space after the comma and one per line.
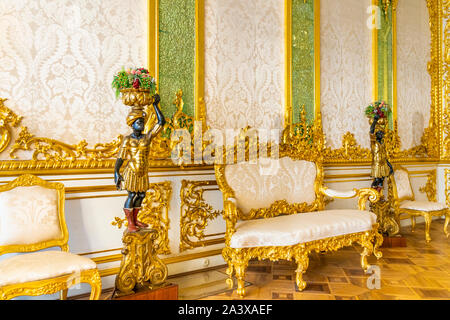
(195,214)
(7,119)
(430,187)
(155,212)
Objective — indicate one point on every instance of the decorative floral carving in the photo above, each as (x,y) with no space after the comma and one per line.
(195,214)
(155,212)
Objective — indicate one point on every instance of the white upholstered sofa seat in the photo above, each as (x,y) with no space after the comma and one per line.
(422,205)
(41,265)
(293,229)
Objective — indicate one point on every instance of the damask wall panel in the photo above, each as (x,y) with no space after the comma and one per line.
(346,71)
(57,61)
(244,63)
(413,79)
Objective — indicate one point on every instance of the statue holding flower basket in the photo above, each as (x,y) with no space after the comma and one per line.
(378,113)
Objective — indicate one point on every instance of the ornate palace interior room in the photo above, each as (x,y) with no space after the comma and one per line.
(224,150)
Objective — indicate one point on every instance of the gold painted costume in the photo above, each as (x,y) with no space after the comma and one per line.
(135,174)
(380,168)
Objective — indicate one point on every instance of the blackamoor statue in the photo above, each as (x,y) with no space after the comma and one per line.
(381,167)
(135,148)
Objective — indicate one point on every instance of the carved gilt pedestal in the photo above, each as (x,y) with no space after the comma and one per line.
(140,268)
(388,226)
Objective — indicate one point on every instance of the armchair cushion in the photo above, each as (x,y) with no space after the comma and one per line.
(258,185)
(29,215)
(422,205)
(300,228)
(41,265)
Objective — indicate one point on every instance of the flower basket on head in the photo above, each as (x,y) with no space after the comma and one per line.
(380,108)
(137,87)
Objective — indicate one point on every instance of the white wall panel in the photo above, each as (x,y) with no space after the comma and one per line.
(346,74)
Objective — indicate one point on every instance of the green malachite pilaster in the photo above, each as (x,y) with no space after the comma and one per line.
(302,59)
(176,54)
(385,62)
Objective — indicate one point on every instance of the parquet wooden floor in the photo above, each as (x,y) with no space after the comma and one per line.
(418,271)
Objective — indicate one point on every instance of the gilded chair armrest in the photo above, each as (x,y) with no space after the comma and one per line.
(363,194)
(230,214)
(339,194)
(230,208)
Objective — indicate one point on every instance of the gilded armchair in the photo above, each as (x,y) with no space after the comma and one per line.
(403,202)
(274,209)
(32,219)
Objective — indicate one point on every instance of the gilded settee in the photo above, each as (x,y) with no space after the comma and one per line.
(274,208)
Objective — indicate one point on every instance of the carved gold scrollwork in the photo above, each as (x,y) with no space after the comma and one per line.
(350,151)
(140,265)
(50,149)
(445,125)
(53,154)
(195,214)
(155,212)
(430,187)
(7,119)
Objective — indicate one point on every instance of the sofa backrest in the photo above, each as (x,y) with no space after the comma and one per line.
(265,181)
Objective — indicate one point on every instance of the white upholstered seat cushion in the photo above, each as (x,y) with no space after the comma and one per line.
(300,228)
(422,205)
(41,265)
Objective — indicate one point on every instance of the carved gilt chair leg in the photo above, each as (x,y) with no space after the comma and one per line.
(230,269)
(96,285)
(378,241)
(368,246)
(447,220)
(240,263)
(63,294)
(302,261)
(413,223)
(427,218)
(96,290)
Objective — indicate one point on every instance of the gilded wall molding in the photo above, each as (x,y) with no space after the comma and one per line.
(195,214)
(430,187)
(445,125)
(155,212)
